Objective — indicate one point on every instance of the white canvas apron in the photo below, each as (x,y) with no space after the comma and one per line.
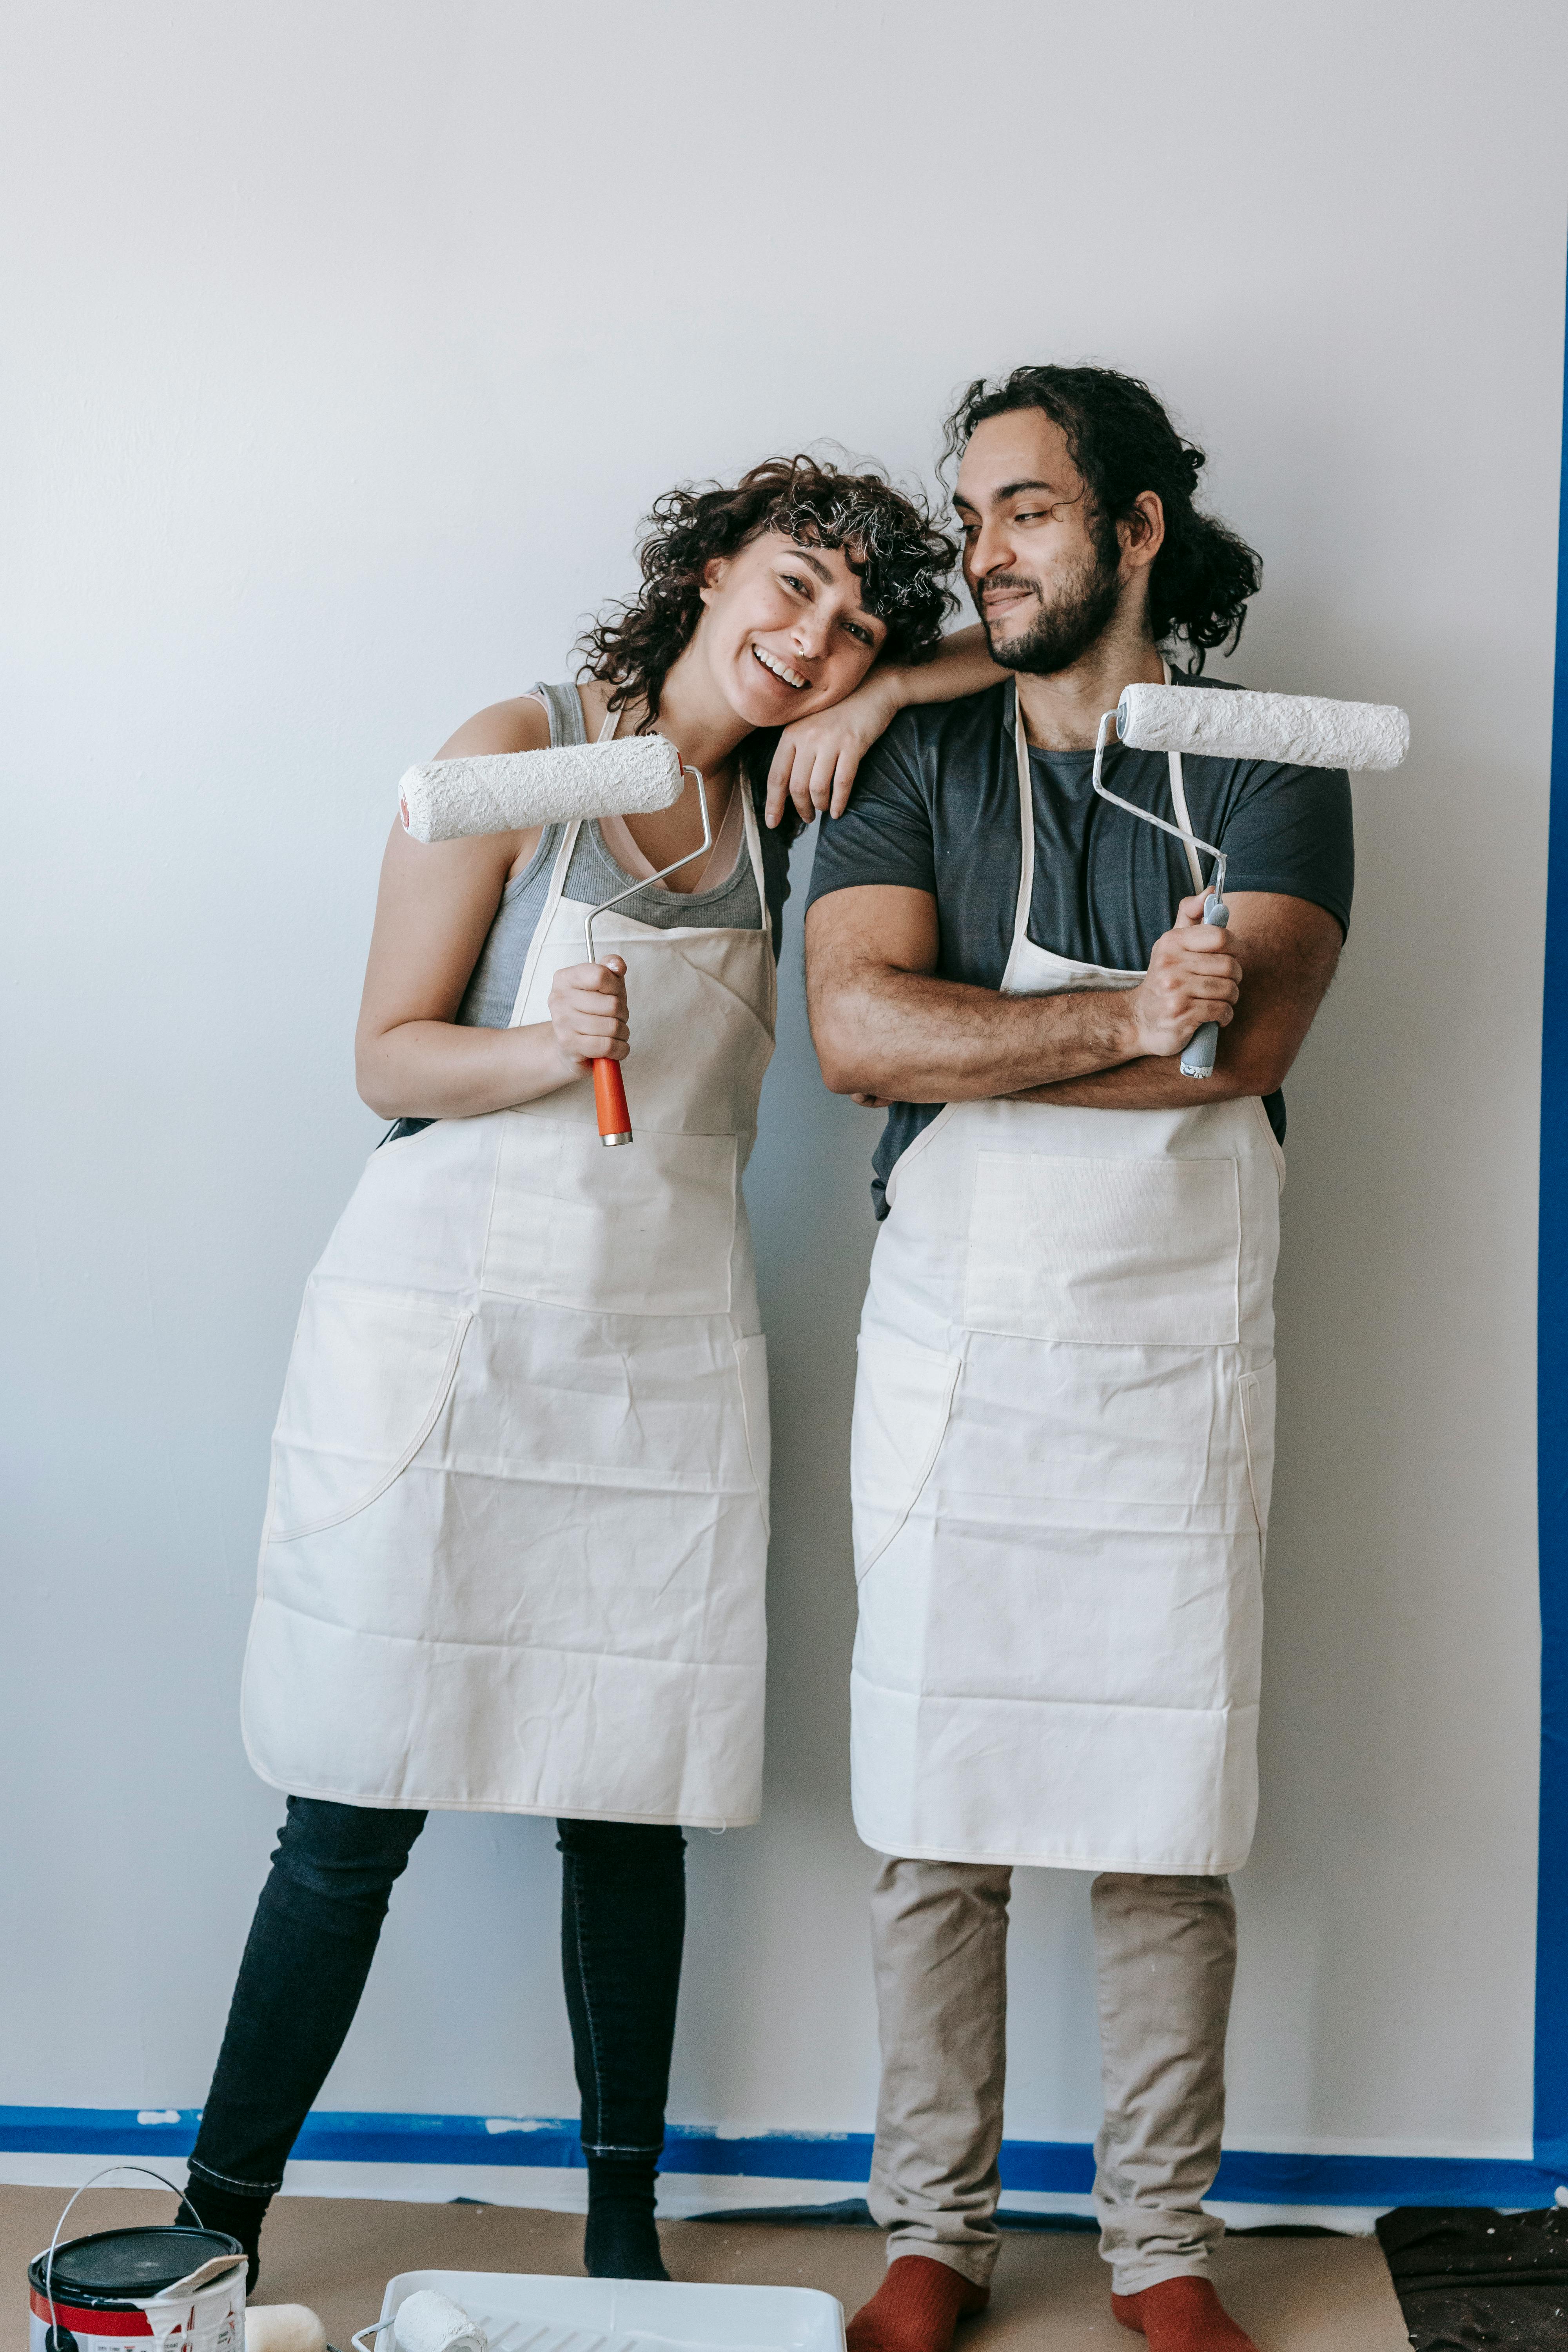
(517,1531)
(1062,1449)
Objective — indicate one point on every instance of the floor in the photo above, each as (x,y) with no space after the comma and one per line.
(336,2254)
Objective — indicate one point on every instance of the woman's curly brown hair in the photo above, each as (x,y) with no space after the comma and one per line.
(887,539)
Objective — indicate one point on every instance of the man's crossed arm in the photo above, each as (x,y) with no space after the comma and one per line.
(886,1030)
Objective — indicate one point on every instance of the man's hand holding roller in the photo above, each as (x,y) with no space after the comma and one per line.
(1193,976)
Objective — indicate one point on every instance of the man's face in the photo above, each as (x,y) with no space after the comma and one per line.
(1046,584)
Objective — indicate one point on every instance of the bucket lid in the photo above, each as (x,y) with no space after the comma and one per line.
(120,2268)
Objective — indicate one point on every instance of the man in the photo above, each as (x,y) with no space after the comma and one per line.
(1064,1411)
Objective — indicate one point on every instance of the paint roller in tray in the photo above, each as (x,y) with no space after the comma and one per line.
(505,792)
(499,2311)
(428,2321)
(1299,731)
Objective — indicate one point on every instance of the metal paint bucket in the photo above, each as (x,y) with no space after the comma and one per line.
(140,2290)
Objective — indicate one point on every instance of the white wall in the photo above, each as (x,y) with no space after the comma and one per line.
(348,346)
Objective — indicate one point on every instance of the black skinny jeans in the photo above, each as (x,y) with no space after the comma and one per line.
(623,1919)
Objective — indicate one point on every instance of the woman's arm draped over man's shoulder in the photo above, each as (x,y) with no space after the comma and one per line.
(817,758)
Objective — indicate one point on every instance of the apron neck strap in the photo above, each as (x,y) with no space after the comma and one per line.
(1026,825)
(1026,815)
(754,841)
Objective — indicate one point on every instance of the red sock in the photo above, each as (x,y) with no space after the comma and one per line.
(1182,2315)
(916,2308)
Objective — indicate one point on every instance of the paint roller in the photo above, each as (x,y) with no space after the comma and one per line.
(1299,731)
(427,2321)
(505,792)
(283,2327)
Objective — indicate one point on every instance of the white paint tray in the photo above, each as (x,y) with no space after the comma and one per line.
(520,2313)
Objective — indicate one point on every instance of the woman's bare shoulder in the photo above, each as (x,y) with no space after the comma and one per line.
(520,725)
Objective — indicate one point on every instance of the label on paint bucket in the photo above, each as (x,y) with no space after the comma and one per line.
(210,2321)
(112,2293)
(207,2323)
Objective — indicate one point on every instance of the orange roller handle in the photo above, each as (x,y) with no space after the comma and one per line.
(610,1102)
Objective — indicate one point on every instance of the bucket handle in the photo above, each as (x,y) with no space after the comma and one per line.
(52,2341)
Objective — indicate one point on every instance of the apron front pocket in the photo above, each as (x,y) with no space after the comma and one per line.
(369,1372)
(1133,1252)
(646,1230)
(903,1398)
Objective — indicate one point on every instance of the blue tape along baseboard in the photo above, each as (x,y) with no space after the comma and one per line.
(1246,2176)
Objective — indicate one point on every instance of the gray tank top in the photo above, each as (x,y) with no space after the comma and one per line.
(591,876)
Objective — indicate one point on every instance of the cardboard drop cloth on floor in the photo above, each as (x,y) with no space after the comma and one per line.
(337,2254)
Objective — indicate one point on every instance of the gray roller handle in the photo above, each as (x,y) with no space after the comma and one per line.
(1197,1062)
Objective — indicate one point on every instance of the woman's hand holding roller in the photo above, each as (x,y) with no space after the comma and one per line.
(1193,976)
(415,1058)
(588,1012)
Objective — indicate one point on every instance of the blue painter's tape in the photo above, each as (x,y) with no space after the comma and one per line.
(1551,1432)
(1246,2177)
(96,2131)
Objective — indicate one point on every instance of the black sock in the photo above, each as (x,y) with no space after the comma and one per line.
(231,2212)
(622,2241)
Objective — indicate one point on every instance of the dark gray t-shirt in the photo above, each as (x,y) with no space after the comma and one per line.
(935,808)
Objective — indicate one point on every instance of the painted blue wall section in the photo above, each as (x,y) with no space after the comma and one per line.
(1551,1433)
(1247,2176)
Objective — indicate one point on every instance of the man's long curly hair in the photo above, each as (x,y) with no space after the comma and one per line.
(1121,441)
(887,539)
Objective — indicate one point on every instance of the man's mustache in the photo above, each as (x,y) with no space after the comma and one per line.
(994,580)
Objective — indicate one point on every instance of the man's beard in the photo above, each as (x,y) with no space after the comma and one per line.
(1064,630)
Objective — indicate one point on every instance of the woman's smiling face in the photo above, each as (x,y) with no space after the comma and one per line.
(784,630)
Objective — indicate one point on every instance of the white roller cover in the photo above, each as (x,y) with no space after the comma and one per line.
(283,2327)
(1301,729)
(429,2322)
(505,791)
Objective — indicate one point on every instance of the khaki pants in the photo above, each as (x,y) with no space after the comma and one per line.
(1165,1951)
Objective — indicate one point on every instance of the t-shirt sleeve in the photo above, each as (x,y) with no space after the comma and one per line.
(1290,830)
(885,834)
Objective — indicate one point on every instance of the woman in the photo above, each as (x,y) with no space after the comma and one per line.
(516,1534)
